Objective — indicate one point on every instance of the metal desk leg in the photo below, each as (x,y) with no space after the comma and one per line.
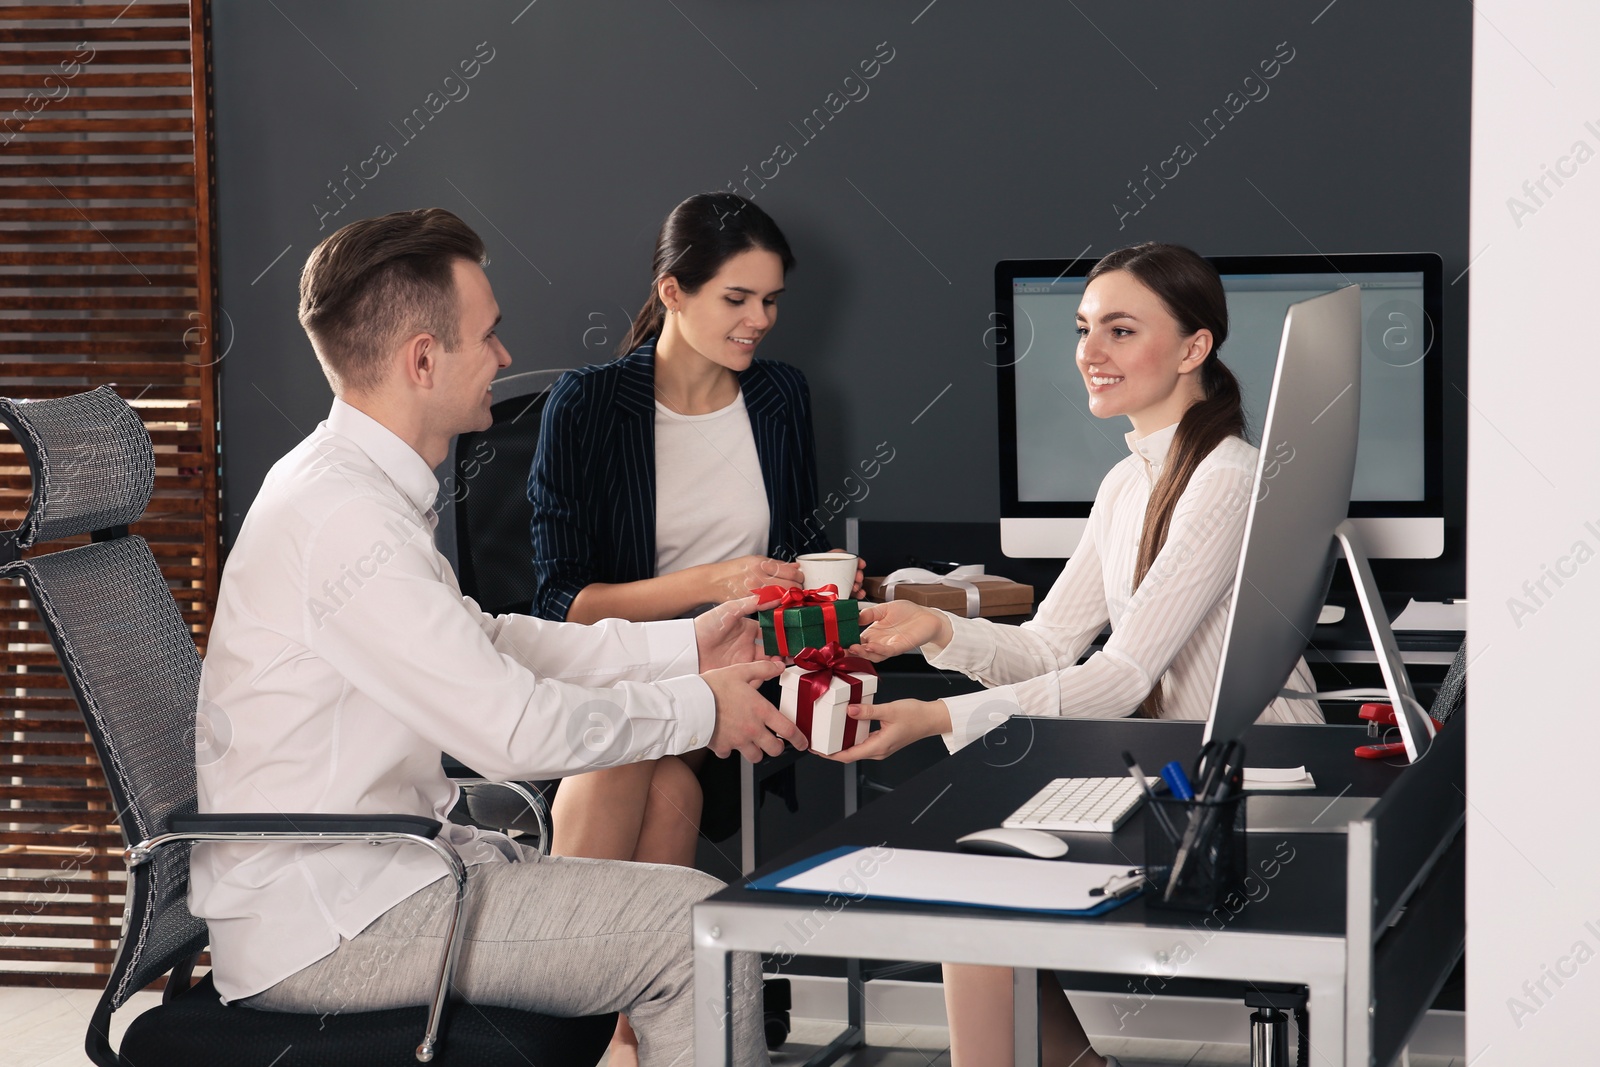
(1025,1016)
(1326,1007)
(855,993)
(713,1004)
(854,1035)
(1269,1038)
(747,816)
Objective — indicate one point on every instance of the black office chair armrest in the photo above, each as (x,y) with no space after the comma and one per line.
(303,823)
(506,806)
(323,828)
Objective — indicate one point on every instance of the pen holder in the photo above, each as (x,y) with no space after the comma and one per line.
(1214,865)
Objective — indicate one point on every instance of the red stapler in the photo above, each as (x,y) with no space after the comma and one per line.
(1376,715)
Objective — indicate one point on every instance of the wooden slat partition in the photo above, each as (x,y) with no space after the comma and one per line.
(106,278)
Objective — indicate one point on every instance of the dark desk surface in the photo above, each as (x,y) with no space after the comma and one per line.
(888,545)
(1349,634)
(990,778)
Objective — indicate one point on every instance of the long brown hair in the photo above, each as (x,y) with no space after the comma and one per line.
(697,238)
(1191,291)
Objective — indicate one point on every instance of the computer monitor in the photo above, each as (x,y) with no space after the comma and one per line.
(1053,452)
(1296,528)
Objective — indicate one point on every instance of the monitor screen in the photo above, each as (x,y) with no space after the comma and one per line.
(1054,452)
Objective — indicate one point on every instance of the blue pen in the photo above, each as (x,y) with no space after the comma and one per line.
(1177,781)
(1155,809)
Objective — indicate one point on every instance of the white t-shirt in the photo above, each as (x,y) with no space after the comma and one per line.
(711,503)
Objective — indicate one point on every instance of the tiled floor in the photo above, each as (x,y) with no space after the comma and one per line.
(926,1046)
(45,1028)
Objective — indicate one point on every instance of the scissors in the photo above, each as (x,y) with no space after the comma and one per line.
(1219,768)
(1218,762)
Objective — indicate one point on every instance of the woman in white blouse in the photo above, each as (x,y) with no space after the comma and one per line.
(1157,562)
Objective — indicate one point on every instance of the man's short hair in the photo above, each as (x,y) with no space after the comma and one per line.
(375,282)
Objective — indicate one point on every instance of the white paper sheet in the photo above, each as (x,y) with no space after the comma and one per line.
(1273,778)
(1432,615)
(960,878)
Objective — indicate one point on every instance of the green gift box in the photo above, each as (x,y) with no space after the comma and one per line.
(807,627)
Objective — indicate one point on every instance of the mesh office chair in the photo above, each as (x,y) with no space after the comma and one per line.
(133,668)
(483,531)
(488,494)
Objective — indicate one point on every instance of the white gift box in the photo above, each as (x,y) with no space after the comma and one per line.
(832,728)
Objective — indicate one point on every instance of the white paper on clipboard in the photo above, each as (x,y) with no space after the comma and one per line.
(960,878)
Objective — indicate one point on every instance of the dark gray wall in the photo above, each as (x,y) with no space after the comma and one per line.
(1000,129)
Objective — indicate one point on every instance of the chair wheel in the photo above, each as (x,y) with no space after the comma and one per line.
(776,1000)
(777,1025)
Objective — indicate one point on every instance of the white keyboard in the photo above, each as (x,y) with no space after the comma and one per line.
(1080,805)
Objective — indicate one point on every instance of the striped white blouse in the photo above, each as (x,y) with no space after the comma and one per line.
(1172,629)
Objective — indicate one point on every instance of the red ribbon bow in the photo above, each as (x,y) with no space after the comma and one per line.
(793,597)
(822,666)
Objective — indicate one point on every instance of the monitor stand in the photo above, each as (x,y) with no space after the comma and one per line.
(1416,727)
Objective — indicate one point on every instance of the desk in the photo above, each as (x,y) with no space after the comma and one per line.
(1307,931)
(888,545)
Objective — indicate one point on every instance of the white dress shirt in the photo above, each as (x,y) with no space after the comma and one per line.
(344,660)
(711,501)
(1170,630)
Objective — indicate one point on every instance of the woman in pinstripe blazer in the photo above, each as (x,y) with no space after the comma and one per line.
(680,475)
(594,493)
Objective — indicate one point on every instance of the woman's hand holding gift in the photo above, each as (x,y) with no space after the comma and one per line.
(899,626)
(900,722)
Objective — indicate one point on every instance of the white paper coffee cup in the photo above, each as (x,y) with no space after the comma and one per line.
(829,568)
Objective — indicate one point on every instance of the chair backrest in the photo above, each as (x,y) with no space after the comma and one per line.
(494,541)
(124,647)
(92,465)
(1453,690)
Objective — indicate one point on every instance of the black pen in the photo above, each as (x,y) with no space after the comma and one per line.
(1120,885)
(1215,773)
(1155,808)
(1222,789)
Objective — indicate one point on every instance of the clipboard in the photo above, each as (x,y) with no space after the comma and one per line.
(1002,883)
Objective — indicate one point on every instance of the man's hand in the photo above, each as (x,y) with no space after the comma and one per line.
(746,723)
(899,626)
(726,634)
(735,578)
(900,722)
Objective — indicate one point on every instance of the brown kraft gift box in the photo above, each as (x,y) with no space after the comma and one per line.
(996,596)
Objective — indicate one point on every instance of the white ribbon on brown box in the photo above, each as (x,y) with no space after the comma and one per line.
(966,578)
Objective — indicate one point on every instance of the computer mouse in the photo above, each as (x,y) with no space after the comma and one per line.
(1006,842)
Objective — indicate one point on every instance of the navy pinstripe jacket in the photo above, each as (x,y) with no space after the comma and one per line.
(593,482)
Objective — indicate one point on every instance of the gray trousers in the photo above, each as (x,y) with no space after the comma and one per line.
(556,935)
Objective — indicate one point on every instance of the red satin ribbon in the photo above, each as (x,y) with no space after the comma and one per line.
(793,597)
(822,666)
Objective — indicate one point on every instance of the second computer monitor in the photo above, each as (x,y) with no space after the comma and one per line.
(1298,501)
(1053,452)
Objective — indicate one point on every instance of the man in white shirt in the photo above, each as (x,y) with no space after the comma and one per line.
(344,660)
